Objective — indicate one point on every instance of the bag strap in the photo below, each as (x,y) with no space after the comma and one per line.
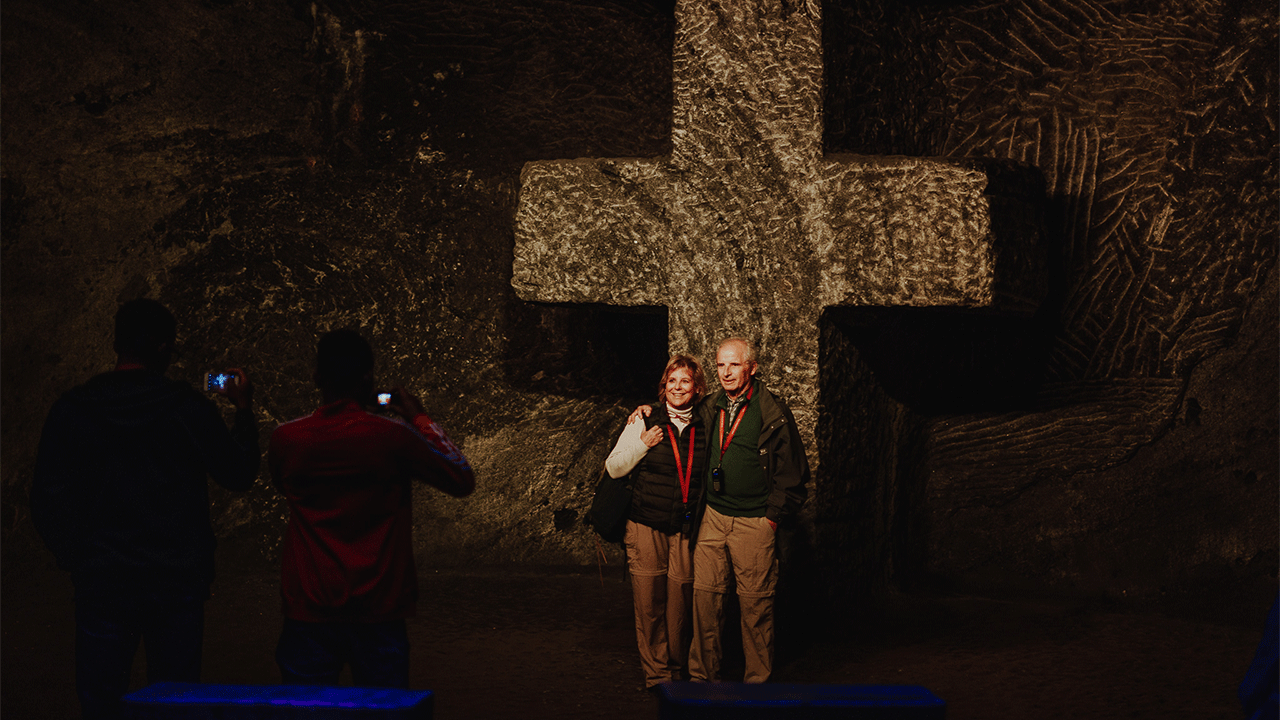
(601,558)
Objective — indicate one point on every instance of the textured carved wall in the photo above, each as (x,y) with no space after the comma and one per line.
(270,174)
(1154,127)
(285,173)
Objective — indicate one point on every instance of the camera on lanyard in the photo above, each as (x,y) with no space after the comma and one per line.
(717,479)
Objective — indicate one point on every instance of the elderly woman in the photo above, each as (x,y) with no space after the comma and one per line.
(666,455)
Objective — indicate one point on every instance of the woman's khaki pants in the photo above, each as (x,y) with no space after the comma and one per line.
(662,586)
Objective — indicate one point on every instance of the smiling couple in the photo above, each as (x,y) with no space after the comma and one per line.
(713,475)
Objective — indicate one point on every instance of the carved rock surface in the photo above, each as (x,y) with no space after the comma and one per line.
(246,163)
(745,229)
(269,176)
(1154,129)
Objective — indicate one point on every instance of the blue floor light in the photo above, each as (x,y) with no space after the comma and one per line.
(199,701)
(776,701)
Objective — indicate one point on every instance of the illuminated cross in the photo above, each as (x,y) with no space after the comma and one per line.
(748,229)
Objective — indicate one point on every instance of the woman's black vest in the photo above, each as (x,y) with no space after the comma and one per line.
(656,500)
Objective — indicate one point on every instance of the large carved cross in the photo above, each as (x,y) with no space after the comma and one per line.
(748,229)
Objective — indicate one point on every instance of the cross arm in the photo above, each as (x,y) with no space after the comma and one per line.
(932,231)
(591,231)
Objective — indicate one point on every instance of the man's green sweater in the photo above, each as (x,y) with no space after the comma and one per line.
(746,489)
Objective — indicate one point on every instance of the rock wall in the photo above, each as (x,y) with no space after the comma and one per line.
(1188,510)
(1153,125)
(272,170)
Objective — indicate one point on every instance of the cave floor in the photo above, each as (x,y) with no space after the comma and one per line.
(559,643)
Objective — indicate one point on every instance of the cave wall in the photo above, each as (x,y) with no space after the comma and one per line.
(274,169)
(1154,128)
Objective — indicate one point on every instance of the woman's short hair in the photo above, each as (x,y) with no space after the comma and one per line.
(690,363)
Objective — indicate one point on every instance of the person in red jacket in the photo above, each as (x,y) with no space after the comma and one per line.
(348,579)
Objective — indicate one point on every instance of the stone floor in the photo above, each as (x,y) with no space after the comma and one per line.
(558,643)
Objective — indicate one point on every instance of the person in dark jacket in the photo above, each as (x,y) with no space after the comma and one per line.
(665,453)
(757,475)
(121,498)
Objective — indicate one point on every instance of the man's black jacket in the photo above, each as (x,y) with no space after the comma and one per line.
(121,493)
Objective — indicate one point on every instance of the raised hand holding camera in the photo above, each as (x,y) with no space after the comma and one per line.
(234,384)
(400,401)
(217,382)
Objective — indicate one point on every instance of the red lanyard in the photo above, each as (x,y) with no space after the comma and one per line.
(685,478)
(742,411)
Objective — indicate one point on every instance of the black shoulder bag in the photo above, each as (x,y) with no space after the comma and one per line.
(610,507)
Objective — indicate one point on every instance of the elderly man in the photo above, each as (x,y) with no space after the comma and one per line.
(756,478)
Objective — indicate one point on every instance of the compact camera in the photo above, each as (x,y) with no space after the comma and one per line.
(217,382)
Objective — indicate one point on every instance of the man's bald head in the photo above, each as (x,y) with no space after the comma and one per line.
(747,348)
(735,365)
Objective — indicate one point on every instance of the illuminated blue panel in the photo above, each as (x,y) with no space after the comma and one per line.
(775,701)
(199,701)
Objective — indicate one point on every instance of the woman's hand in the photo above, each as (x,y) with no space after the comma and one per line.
(652,436)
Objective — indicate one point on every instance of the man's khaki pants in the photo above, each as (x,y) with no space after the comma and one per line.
(662,588)
(745,547)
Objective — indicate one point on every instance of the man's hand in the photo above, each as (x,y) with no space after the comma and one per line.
(238,389)
(640,412)
(404,404)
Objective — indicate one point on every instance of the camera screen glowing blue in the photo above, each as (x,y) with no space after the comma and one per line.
(384,398)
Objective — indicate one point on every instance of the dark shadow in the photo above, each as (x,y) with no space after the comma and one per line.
(491,83)
(866,500)
(586,350)
(944,360)
(884,372)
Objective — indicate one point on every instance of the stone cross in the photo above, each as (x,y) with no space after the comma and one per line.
(746,228)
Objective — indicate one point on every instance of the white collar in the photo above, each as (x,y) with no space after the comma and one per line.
(685,416)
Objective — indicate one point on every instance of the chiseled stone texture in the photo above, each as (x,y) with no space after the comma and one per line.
(539,475)
(746,229)
(1148,489)
(267,188)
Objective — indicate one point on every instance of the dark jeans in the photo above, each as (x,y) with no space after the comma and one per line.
(311,653)
(107,637)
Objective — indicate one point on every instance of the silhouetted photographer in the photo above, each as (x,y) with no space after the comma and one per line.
(121,497)
(348,578)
